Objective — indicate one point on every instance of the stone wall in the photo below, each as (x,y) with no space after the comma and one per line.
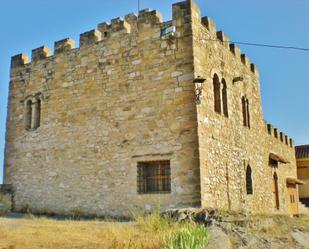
(226,146)
(5,199)
(126,95)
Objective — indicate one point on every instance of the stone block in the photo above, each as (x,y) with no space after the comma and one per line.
(40,53)
(90,37)
(19,60)
(64,45)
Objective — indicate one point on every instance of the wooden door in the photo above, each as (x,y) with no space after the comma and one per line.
(276,191)
(292,199)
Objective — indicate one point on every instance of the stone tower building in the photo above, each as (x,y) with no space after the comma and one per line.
(144,113)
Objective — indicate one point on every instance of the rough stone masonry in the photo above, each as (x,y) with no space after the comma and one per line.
(88,128)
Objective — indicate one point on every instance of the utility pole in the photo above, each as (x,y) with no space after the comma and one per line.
(138,5)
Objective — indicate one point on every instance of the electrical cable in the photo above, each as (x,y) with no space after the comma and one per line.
(262,45)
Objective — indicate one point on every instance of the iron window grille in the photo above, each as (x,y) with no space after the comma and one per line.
(154,177)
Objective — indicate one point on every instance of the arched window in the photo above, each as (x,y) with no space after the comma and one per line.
(28,114)
(32,113)
(224,99)
(245,111)
(249,183)
(217,93)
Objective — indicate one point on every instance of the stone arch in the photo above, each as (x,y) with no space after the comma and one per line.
(217,72)
(32,112)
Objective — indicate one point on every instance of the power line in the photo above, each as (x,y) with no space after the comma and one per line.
(270,46)
(263,45)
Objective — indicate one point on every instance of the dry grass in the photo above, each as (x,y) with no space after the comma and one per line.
(49,234)
(152,232)
(282,224)
(275,228)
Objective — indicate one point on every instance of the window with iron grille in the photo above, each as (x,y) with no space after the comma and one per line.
(154,177)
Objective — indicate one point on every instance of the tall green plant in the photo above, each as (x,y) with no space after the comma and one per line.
(189,237)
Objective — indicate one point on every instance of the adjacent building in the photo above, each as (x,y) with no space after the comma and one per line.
(302,159)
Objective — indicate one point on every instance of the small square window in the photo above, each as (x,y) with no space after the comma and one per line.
(154,177)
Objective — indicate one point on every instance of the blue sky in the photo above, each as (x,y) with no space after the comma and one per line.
(25,25)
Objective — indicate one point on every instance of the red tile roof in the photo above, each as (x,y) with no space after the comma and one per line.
(302,151)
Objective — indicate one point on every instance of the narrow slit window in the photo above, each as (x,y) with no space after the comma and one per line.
(249,182)
(28,114)
(245,111)
(217,93)
(224,99)
(38,113)
(248,113)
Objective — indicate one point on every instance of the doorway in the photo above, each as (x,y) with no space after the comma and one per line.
(276,191)
(292,198)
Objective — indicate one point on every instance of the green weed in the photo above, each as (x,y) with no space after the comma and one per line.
(189,236)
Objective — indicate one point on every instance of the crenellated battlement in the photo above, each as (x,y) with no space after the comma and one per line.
(223,38)
(132,24)
(90,37)
(209,24)
(245,60)
(235,50)
(274,132)
(19,60)
(148,16)
(40,53)
(131,18)
(64,45)
(117,26)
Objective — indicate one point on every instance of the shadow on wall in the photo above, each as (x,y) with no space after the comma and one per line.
(5,199)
